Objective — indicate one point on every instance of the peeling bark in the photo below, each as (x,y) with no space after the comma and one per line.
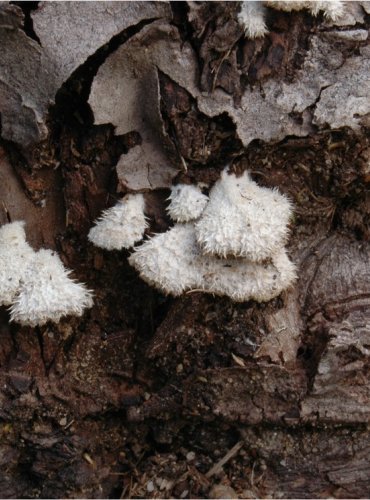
(68,34)
(145,395)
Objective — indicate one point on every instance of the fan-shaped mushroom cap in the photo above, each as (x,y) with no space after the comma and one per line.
(47,293)
(243,219)
(122,225)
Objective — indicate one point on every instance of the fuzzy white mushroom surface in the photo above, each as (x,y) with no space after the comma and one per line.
(243,219)
(252,13)
(187,203)
(170,261)
(15,254)
(332,9)
(122,225)
(243,280)
(173,263)
(47,293)
(13,234)
(252,19)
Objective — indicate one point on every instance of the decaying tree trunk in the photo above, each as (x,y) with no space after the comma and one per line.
(150,396)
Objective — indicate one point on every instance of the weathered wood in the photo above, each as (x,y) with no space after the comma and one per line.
(145,394)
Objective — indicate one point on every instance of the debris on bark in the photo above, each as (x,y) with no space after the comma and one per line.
(193,397)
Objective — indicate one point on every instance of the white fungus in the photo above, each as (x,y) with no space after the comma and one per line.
(173,262)
(122,225)
(35,284)
(252,18)
(187,203)
(169,261)
(332,9)
(13,234)
(243,280)
(15,254)
(47,293)
(243,219)
(252,14)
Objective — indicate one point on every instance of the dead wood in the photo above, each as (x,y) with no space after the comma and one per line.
(150,396)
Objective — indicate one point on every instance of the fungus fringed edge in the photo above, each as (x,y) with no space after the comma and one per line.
(122,225)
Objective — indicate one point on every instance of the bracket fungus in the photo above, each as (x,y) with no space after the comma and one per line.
(15,254)
(187,203)
(47,292)
(235,247)
(173,262)
(122,225)
(243,219)
(252,14)
(252,19)
(35,284)
(169,261)
(332,9)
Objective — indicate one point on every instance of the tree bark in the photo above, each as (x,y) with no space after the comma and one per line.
(197,396)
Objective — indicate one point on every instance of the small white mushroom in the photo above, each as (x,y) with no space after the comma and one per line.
(170,261)
(243,219)
(173,263)
(120,226)
(252,19)
(15,254)
(47,293)
(187,203)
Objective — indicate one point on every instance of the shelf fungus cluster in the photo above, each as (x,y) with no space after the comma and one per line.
(253,13)
(36,285)
(230,244)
